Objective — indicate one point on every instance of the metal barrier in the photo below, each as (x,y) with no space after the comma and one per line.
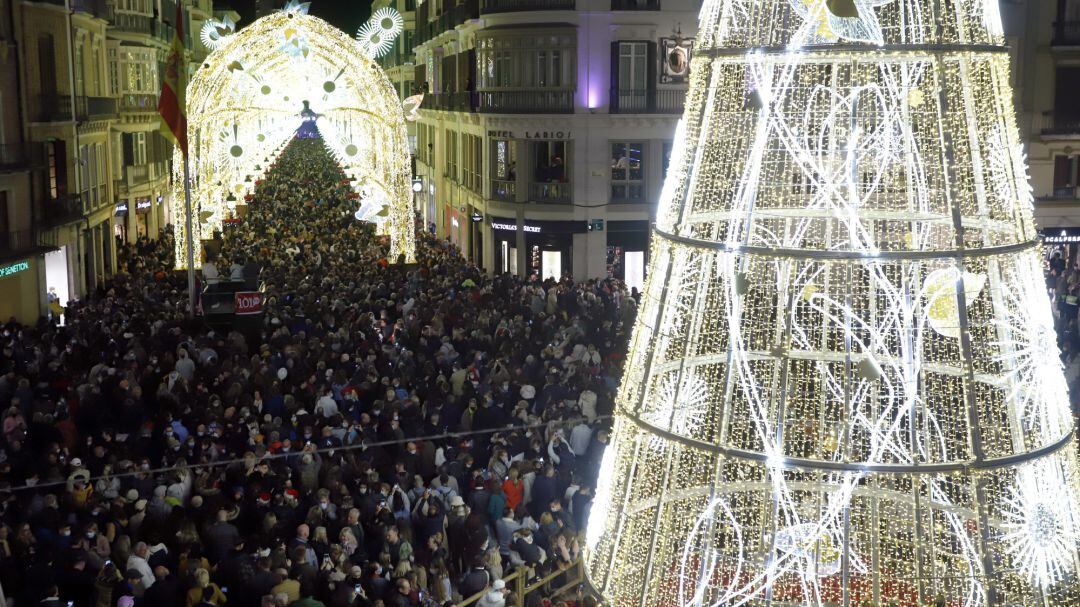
(518,583)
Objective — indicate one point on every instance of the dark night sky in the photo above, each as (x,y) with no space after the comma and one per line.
(346,14)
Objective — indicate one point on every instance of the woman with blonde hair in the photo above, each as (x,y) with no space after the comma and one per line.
(196,593)
(493,562)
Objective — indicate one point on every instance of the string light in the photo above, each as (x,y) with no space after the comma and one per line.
(843,385)
(244,105)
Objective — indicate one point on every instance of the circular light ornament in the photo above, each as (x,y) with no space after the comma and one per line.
(329,86)
(388,21)
(351,149)
(236,151)
(373,41)
(215,32)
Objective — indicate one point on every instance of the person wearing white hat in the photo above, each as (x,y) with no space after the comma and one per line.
(496,597)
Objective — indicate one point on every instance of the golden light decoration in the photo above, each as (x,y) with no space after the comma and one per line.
(843,387)
(244,105)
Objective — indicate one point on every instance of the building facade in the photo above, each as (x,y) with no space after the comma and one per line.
(1044,37)
(84,168)
(547,126)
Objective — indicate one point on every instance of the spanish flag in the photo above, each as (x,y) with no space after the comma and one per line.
(174,88)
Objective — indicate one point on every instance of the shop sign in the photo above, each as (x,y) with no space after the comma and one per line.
(530,134)
(248,302)
(14,268)
(1060,235)
(513,228)
(142,205)
(122,208)
(477,217)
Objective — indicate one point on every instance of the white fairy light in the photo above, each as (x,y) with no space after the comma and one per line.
(598,513)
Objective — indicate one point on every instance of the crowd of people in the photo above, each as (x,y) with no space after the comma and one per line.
(1062,273)
(394,435)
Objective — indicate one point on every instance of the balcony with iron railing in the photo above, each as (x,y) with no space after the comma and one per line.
(533,101)
(512,6)
(57,108)
(552,192)
(20,156)
(16,241)
(1056,124)
(132,102)
(504,190)
(446,21)
(1066,194)
(62,210)
(1066,33)
(451,102)
(97,8)
(134,23)
(656,101)
(635,5)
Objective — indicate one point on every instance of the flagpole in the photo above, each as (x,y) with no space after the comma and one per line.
(190,240)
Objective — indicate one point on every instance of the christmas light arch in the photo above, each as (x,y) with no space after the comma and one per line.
(244,106)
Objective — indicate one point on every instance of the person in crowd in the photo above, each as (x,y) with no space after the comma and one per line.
(387,435)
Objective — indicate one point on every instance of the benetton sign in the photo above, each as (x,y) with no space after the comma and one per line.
(248,302)
(14,268)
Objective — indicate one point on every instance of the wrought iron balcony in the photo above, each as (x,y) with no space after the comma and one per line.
(57,108)
(535,101)
(1066,33)
(62,210)
(16,241)
(505,191)
(448,20)
(1055,123)
(18,156)
(452,102)
(138,103)
(512,6)
(635,5)
(656,101)
(554,192)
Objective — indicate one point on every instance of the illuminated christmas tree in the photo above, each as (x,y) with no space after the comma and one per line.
(844,385)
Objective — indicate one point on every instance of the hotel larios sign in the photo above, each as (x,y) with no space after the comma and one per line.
(531,134)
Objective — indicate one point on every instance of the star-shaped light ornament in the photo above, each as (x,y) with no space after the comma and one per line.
(834,20)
